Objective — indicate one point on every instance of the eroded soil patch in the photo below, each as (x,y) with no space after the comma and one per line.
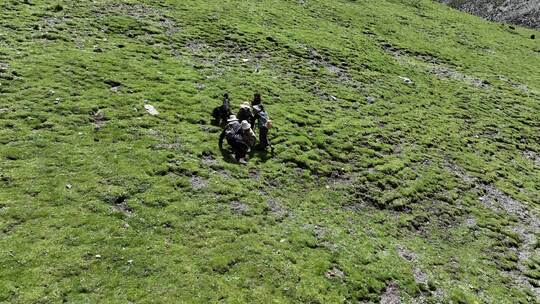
(527,226)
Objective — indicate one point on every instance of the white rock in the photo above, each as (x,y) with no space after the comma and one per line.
(151,110)
(406,80)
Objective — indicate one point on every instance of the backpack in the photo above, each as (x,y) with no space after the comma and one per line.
(231,130)
(264,120)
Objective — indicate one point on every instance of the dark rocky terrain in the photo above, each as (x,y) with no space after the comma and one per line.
(520,12)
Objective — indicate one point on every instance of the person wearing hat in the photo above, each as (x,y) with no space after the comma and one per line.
(248,135)
(233,132)
(264,124)
(245,113)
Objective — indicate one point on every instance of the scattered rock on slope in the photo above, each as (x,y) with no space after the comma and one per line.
(520,12)
(151,110)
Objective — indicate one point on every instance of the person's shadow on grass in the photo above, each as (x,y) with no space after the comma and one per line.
(255,154)
(262,155)
(228,156)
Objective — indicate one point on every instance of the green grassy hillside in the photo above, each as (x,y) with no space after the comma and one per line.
(407,161)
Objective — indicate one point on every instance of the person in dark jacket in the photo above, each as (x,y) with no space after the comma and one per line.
(234,134)
(222,113)
(264,124)
(245,113)
(256,99)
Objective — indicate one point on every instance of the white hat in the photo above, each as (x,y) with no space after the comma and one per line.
(257,108)
(245,125)
(232,118)
(245,105)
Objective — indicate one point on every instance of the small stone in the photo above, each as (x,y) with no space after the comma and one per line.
(335,273)
(151,110)
(370,99)
(126,225)
(98,256)
(406,80)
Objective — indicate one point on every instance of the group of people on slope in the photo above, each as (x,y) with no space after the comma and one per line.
(237,129)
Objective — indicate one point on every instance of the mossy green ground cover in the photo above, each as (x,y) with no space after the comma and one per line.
(424,188)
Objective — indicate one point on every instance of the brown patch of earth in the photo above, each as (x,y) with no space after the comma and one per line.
(527,227)
(391,294)
(238,207)
(198,183)
(334,273)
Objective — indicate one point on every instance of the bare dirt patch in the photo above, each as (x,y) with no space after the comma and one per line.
(124,208)
(209,160)
(238,207)
(433,65)
(198,183)
(448,72)
(165,142)
(276,208)
(391,294)
(334,273)
(140,12)
(337,179)
(532,156)
(406,254)
(419,276)
(254,173)
(527,227)
(196,47)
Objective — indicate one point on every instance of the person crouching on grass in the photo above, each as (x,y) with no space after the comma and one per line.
(248,135)
(234,133)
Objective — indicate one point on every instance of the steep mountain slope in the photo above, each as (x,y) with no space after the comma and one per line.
(407,161)
(521,12)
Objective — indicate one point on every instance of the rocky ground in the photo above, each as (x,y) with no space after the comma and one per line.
(520,12)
